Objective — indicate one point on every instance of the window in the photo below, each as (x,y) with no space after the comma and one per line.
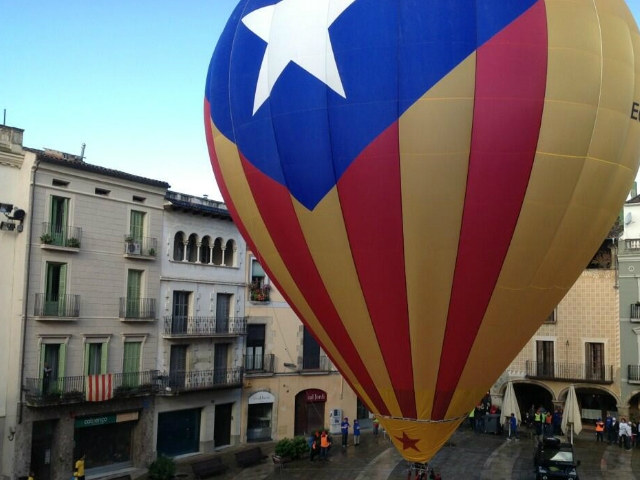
(180,316)
(205,251)
(223,308)
(310,351)
(58,220)
(594,359)
(139,199)
(136,226)
(258,276)
(254,359)
(544,358)
(103,192)
(134,287)
(178,247)
(131,364)
(59,183)
(192,248)
(95,358)
(55,289)
(217,252)
(52,366)
(229,253)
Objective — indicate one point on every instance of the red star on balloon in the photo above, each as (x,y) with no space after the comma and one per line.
(408,442)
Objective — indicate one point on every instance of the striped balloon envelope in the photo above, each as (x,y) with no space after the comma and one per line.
(424,180)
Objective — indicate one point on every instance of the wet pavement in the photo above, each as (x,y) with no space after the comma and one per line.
(468,456)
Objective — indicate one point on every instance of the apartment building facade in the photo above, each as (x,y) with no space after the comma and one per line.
(83,322)
(202,328)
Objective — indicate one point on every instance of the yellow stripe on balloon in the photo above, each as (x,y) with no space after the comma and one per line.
(439,123)
(327,239)
(243,200)
(546,257)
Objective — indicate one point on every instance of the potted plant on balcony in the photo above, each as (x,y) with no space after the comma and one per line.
(259,293)
(46,238)
(73,242)
(152,252)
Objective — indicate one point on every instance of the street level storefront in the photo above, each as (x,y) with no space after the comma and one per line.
(310,407)
(179,432)
(259,416)
(106,441)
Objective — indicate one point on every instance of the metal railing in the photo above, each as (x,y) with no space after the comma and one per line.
(184,381)
(143,246)
(570,372)
(259,363)
(633,374)
(179,326)
(634,314)
(61,235)
(61,306)
(61,390)
(315,364)
(137,308)
(632,244)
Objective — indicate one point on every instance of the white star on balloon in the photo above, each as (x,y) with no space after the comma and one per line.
(296,31)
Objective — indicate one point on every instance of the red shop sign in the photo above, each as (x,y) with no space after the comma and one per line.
(316,396)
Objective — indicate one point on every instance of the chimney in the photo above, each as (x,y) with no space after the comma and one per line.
(11,139)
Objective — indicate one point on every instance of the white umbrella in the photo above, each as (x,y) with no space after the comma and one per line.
(510,405)
(571,414)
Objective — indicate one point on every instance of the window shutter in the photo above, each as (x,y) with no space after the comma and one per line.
(62,290)
(87,356)
(137,225)
(104,358)
(62,362)
(42,350)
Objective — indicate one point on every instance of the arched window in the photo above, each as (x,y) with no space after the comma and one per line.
(217,252)
(192,248)
(178,247)
(205,250)
(230,253)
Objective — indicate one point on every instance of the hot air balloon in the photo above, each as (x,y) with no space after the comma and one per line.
(424,180)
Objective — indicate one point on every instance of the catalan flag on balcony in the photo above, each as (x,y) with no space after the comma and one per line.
(99,387)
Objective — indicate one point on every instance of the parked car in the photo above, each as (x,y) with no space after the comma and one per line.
(554,459)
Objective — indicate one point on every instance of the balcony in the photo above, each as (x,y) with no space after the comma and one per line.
(633,375)
(190,381)
(57,307)
(66,390)
(180,327)
(634,314)
(570,372)
(632,244)
(140,248)
(315,364)
(259,364)
(137,309)
(60,237)
(259,293)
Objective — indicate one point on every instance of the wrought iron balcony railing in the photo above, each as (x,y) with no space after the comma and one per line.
(632,244)
(633,374)
(315,363)
(59,306)
(63,390)
(179,326)
(61,235)
(255,364)
(137,308)
(570,372)
(184,381)
(140,247)
(635,312)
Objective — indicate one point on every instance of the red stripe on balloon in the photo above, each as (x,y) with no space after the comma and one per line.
(511,77)
(371,200)
(276,210)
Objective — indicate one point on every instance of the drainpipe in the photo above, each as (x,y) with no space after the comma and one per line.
(26,289)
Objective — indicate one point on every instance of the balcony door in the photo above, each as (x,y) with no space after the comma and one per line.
(180,315)
(223,307)
(59,220)
(310,352)
(134,287)
(55,289)
(95,358)
(131,364)
(544,358)
(52,364)
(594,364)
(136,226)
(220,363)
(255,347)
(178,365)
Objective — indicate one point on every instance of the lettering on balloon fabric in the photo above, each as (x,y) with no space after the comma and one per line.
(635,111)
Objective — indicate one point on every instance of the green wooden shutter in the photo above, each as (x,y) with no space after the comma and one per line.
(62,362)
(42,345)
(131,363)
(87,355)
(134,281)
(62,290)
(104,358)
(137,225)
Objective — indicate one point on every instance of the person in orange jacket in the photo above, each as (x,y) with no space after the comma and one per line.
(599,430)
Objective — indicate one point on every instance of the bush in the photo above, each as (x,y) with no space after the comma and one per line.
(163,468)
(292,448)
(300,446)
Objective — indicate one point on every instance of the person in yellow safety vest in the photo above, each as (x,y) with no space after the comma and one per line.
(599,431)
(538,421)
(472,419)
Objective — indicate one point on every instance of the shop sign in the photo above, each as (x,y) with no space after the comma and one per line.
(261,397)
(316,396)
(106,419)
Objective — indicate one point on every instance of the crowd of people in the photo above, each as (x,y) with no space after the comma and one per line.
(622,432)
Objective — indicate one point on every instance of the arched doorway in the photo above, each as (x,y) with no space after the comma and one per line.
(529,394)
(310,406)
(634,407)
